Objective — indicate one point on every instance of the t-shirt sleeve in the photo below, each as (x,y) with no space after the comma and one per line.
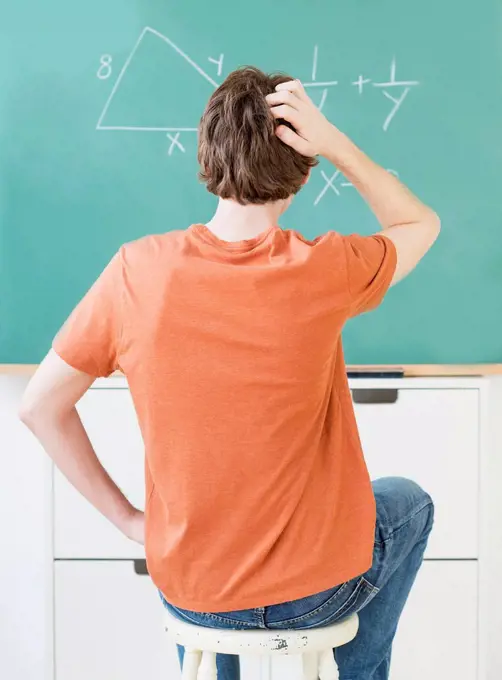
(371,263)
(89,340)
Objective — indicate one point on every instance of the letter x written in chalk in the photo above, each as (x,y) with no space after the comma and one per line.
(330,184)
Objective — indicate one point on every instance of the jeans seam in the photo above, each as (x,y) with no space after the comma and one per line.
(405,523)
(221,619)
(214,617)
(259,616)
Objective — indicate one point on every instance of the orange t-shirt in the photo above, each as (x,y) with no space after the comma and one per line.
(256,486)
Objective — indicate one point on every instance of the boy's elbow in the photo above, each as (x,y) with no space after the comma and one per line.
(37,412)
(31,413)
(430,227)
(434,223)
(28,414)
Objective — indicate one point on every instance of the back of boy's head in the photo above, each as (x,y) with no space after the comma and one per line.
(240,155)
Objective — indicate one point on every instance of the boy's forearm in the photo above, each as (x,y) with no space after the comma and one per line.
(389,199)
(66,442)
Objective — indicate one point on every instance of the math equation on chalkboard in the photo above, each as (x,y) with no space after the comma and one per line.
(394,89)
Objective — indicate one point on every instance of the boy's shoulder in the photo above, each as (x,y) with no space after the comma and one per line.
(151,247)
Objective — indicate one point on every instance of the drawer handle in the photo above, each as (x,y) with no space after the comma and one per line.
(140,568)
(378,396)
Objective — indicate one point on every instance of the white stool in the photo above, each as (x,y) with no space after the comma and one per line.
(314,644)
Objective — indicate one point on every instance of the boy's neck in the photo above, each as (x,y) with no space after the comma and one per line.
(235,222)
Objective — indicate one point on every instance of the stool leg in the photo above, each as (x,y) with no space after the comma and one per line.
(328,669)
(310,665)
(191,662)
(207,668)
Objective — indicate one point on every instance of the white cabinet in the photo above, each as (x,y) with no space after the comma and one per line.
(109,625)
(434,641)
(432,437)
(108,619)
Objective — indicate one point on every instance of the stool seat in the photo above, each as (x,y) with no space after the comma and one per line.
(315,645)
(223,641)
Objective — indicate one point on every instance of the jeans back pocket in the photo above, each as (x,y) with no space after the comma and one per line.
(322,609)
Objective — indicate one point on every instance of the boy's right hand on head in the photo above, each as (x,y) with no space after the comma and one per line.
(313,133)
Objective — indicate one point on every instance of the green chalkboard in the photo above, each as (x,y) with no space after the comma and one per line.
(98,106)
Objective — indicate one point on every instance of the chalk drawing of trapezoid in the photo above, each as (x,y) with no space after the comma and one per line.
(159,89)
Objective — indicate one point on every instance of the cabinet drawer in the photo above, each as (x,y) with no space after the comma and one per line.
(79,530)
(437,634)
(432,437)
(109,625)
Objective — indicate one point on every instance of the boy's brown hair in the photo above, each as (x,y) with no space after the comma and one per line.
(240,155)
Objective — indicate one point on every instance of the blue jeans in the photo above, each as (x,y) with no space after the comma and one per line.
(404,520)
